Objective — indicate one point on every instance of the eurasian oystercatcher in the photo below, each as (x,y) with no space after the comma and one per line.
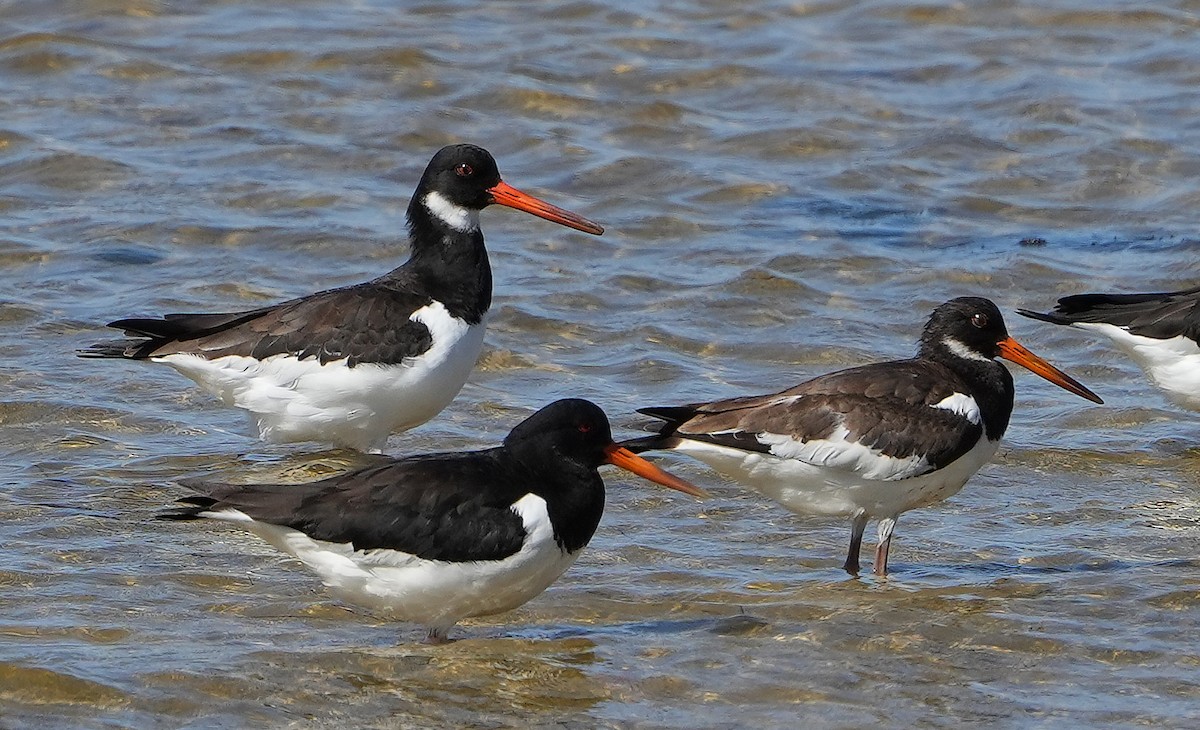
(870,441)
(350,366)
(1161,332)
(441,537)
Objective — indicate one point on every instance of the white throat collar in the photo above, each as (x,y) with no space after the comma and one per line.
(961,350)
(457,217)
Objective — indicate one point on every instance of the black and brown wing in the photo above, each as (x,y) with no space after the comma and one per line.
(370,322)
(907,410)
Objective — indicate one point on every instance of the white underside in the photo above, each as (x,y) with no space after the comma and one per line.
(1173,364)
(302,400)
(434,593)
(846,487)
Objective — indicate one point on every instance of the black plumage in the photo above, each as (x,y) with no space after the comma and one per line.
(428,506)
(440,537)
(451,506)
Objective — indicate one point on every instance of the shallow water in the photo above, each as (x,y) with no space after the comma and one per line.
(788,190)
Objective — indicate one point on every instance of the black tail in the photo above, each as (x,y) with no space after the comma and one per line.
(665,438)
(192,511)
(147,334)
(673,415)
(1047,317)
(132,349)
(191,506)
(646,443)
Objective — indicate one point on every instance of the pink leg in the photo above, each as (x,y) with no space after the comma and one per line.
(886,525)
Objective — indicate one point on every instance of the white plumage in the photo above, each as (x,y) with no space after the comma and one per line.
(1172,364)
(358,407)
(838,477)
(435,593)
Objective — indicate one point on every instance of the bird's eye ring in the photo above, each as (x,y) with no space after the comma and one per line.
(585,427)
(979,319)
(464,170)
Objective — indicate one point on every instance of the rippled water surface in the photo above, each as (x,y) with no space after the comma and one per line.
(788,187)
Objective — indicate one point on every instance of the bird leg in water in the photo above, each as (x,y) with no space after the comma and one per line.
(856,535)
(886,525)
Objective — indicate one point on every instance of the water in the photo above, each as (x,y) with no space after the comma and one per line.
(788,188)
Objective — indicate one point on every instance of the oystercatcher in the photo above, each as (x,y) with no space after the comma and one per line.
(350,366)
(442,537)
(870,441)
(1161,332)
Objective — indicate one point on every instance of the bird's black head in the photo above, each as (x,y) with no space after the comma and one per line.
(576,431)
(571,428)
(970,327)
(463,179)
(968,330)
(461,174)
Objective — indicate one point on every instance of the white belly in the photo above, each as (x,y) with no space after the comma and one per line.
(357,407)
(1173,364)
(815,490)
(434,593)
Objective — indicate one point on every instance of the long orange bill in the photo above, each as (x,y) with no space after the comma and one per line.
(505,194)
(1012,350)
(629,461)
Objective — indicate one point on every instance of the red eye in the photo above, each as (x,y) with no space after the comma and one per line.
(464,170)
(979,319)
(585,427)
